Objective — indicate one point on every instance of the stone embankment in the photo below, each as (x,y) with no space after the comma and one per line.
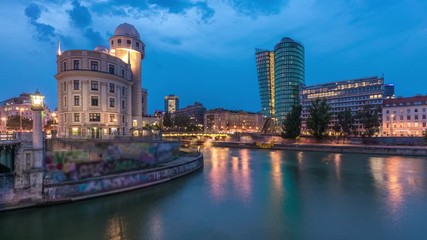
(338,148)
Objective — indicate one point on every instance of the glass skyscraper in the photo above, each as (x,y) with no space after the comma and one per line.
(280,75)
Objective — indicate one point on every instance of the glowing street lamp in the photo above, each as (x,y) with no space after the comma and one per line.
(37,101)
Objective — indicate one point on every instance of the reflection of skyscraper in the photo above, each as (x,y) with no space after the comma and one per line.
(171,103)
(280,75)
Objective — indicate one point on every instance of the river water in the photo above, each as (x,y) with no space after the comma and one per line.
(251,194)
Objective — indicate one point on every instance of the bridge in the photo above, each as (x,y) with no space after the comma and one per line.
(194,134)
(8,146)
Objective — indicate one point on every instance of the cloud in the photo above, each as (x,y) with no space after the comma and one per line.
(94,37)
(44,32)
(258,7)
(80,16)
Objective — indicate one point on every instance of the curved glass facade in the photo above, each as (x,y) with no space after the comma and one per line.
(288,75)
(265,70)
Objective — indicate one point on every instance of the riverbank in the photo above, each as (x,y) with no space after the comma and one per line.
(71,191)
(336,148)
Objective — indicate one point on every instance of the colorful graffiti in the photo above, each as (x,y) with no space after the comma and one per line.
(105,158)
(106,184)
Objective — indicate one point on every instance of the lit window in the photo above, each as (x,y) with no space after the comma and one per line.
(76,117)
(94,117)
(112,118)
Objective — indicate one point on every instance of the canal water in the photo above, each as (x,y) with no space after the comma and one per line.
(251,194)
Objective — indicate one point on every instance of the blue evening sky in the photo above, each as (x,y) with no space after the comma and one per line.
(204,50)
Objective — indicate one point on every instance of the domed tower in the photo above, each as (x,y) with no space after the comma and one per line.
(126,44)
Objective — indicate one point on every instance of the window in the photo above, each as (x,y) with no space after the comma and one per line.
(94,101)
(112,118)
(76,64)
(112,87)
(408,117)
(128,42)
(76,100)
(112,42)
(123,91)
(137,44)
(65,117)
(76,84)
(112,102)
(424,117)
(93,65)
(416,117)
(65,86)
(401,118)
(94,85)
(76,117)
(94,117)
(408,110)
(416,110)
(119,41)
(123,104)
(111,69)
(65,101)
(386,111)
(123,118)
(64,66)
(424,124)
(123,73)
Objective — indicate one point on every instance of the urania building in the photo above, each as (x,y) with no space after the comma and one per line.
(100,91)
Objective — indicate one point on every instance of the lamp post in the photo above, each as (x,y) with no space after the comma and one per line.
(36,172)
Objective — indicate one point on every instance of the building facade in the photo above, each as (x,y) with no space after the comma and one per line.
(342,95)
(226,121)
(281,74)
(404,117)
(20,106)
(195,112)
(171,103)
(100,92)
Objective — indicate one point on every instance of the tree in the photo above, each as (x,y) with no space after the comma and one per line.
(318,120)
(345,122)
(369,118)
(181,122)
(167,120)
(292,123)
(14,123)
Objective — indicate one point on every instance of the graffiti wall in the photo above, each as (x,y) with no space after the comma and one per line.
(65,163)
(124,181)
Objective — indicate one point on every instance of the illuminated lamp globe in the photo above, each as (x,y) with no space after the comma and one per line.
(37,103)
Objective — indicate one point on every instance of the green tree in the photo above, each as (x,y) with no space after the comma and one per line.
(292,123)
(345,122)
(318,120)
(167,120)
(14,123)
(370,120)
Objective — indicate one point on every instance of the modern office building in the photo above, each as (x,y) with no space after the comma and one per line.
(280,77)
(220,120)
(171,103)
(342,95)
(389,91)
(195,112)
(403,117)
(100,91)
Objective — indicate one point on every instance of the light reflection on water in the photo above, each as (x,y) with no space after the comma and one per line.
(252,194)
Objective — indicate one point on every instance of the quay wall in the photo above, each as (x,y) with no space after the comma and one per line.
(368,149)
(95,187)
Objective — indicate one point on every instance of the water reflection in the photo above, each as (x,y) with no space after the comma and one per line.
(276,174)
(115,229)
(337,162)
(217,175)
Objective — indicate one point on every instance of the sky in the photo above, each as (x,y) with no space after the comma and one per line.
(204,51)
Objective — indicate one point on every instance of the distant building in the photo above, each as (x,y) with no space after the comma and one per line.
(226,121)
(342,95)
(280,76)
(195,112)
(389,91)
(404,117)
(100,91)
(19,106)
(171,103)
